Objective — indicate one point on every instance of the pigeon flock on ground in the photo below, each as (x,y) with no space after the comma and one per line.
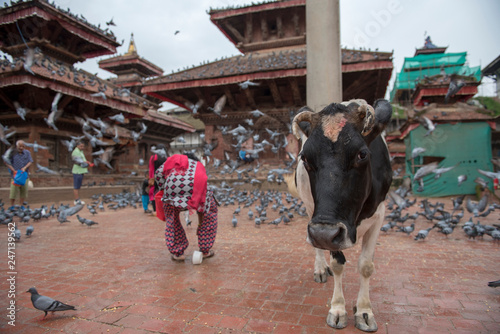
(441,220)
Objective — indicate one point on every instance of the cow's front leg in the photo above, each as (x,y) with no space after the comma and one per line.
(321,268)
(337,316)
(363,314)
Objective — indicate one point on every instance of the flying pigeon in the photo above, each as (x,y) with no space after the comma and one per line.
(194,107)
(219,105)
(47,304)
(36,146)
(429,126)
(257,113)
(20,110)
(453,88)
(118,118)
(417,151)
(46,170)
(55,102)
(247,83)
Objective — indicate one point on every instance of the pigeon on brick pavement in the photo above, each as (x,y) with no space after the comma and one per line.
(47,304)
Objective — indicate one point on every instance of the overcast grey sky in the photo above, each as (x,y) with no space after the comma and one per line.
(399,25)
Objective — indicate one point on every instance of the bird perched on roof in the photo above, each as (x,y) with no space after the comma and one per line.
(247,83)
(47,304)
(218,106)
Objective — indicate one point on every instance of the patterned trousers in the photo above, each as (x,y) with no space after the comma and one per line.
(175,236)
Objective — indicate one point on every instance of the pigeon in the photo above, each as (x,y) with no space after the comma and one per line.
(52,118)
(429,126)
(476,207)
(36,146)
(417,151)
(219,105)
(55,102)
(453,88)
(20,110)
(99,94)
(47,304)
(461,179)
(234,221)
(247,83)
(257,113)
(111,23)
(422,171)
(439,171)
(29,230)
(46,170)
(4,136)
(422,234)
(407,229)
(491,175)
(17,233)
(86,221)
(194,107)
(118,118)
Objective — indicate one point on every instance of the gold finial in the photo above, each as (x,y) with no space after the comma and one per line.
(131,48)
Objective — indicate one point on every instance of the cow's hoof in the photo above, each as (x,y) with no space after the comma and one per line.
(338,321)
(322,276)
(365,322)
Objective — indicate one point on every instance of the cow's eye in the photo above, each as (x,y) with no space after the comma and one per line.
(306,164)
(362,155)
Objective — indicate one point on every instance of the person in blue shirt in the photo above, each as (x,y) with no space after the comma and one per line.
(20,160)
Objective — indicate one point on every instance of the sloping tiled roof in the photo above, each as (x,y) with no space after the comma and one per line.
(262,61)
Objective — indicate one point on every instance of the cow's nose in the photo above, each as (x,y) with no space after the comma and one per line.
(326,236)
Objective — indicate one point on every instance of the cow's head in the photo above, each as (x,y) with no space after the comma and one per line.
(336,155)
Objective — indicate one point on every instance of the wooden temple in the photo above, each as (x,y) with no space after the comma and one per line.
(272,39)
(45,43)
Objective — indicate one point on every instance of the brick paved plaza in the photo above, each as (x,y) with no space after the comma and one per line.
(121,279)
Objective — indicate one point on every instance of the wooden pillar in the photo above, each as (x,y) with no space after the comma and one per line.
(324,61)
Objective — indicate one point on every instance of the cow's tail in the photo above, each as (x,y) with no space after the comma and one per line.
(291,182)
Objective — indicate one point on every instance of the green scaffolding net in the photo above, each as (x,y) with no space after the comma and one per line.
(416,68)
(464,145)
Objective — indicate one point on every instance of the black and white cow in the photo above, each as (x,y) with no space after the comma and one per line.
(343,176)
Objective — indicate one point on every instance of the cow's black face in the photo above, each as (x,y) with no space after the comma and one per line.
(340,177)
(340,145)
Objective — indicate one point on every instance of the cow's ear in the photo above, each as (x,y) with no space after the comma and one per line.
(362,116)
(303,123)
(383,114)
